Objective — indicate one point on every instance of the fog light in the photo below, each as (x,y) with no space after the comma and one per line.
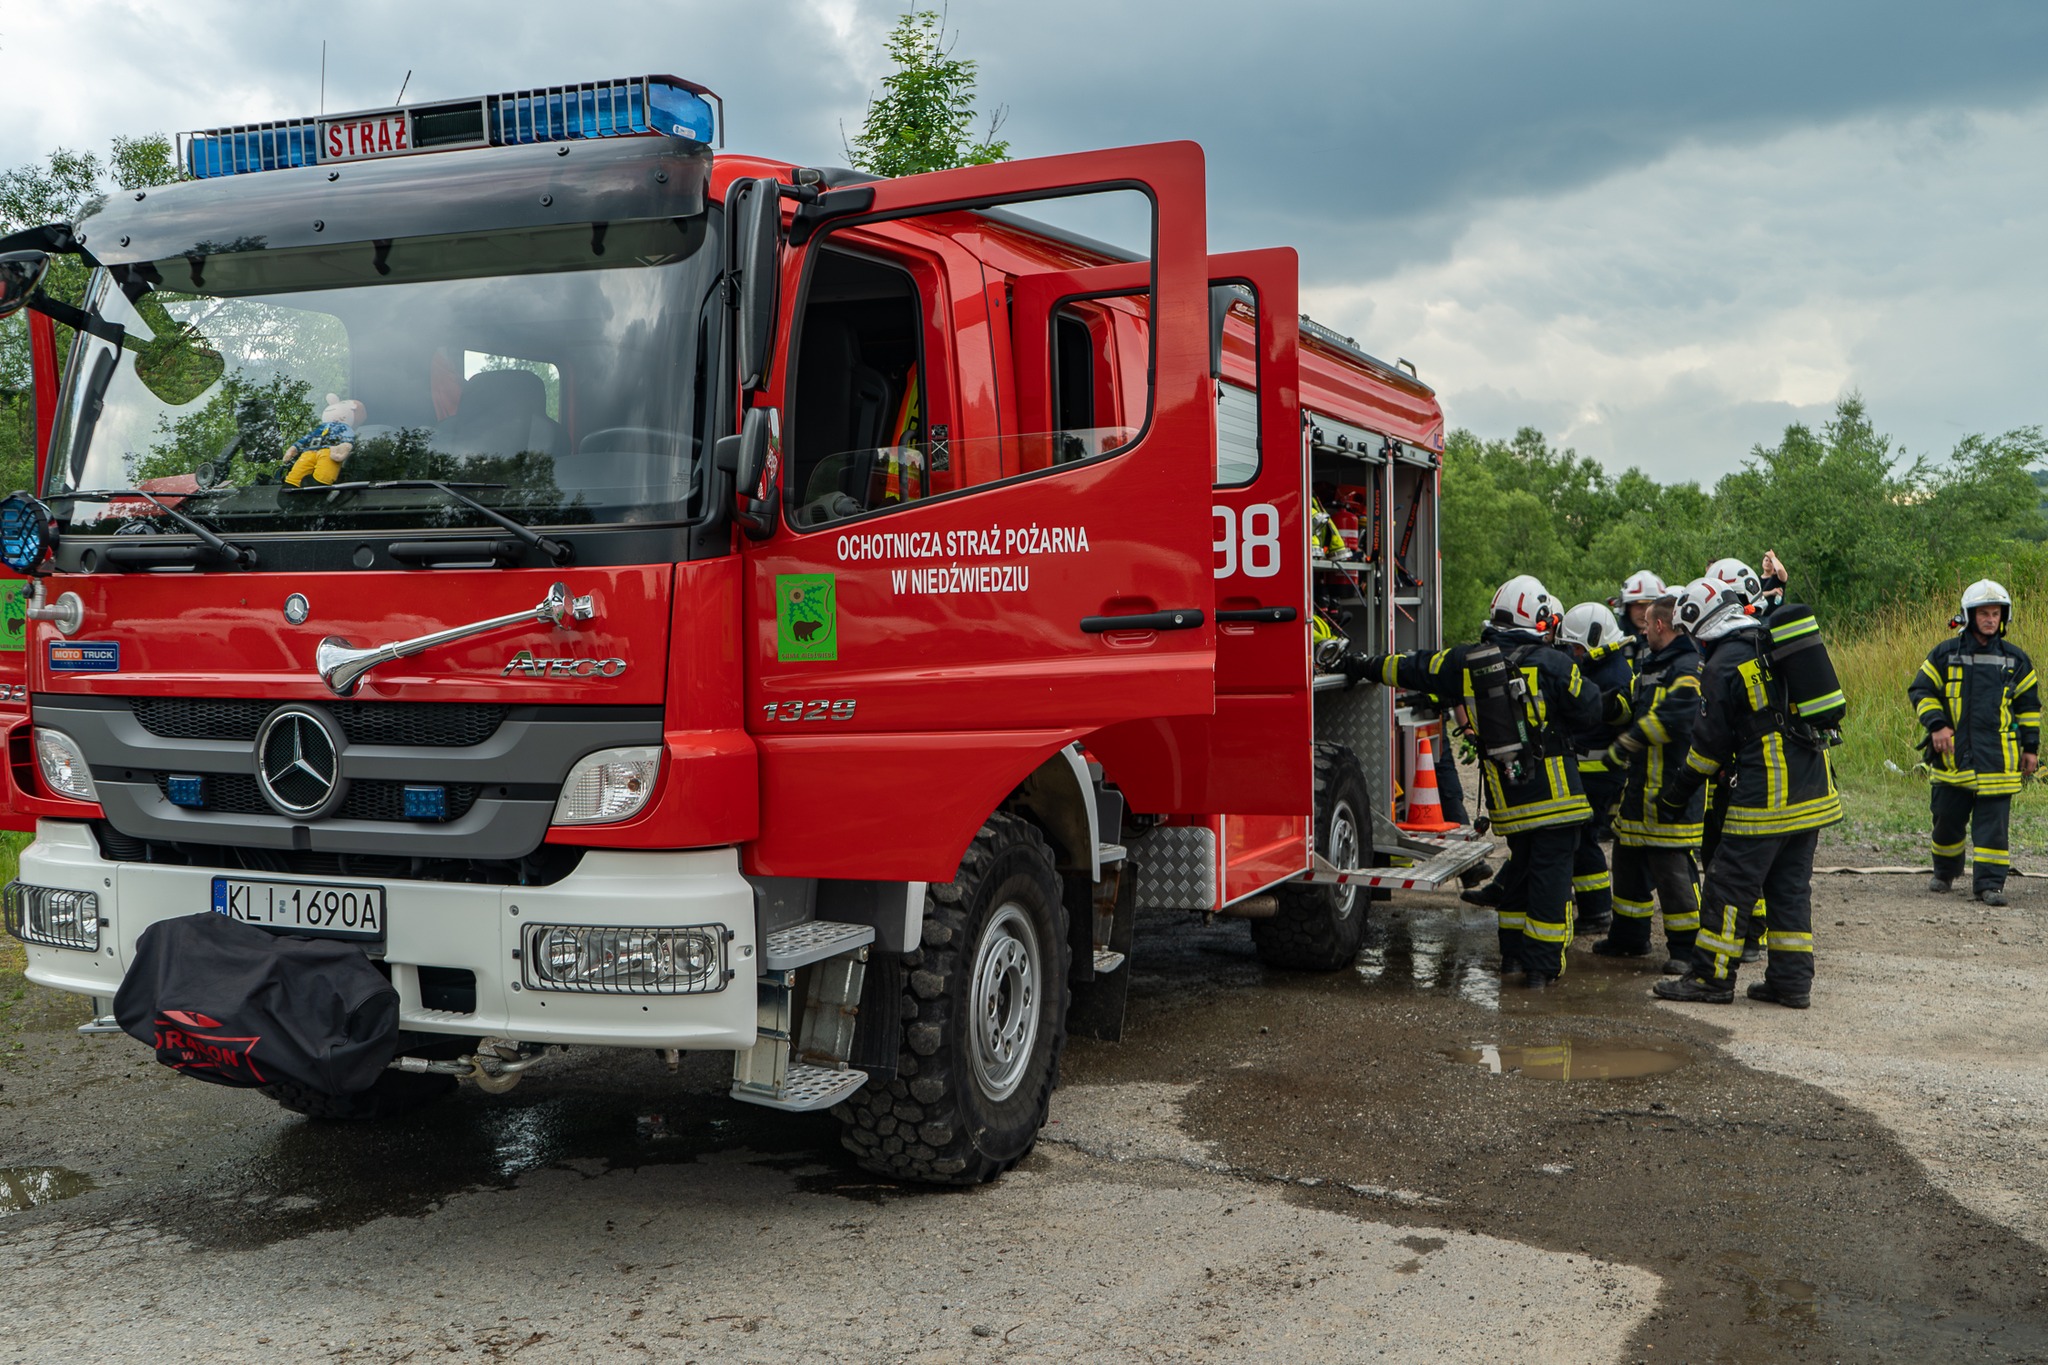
(63,765)
(621,960)
(52,915)
(609,785)
(426,803)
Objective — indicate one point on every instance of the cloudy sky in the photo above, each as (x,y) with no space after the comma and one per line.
(1658,234)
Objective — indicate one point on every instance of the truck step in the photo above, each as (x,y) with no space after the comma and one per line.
(812,941)
(1444,863)
(1109,853)
(1107,961)
(804,1088)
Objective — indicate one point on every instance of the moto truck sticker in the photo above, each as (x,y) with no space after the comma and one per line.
(85,656)
(806,617)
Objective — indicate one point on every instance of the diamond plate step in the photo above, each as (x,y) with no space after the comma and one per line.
(805,1088)
(813,941)
(1107,961)
(1451,857)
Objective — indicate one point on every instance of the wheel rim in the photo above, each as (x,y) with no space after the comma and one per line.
(1007,974)
(1344,852)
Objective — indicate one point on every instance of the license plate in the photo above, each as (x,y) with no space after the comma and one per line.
(323,909)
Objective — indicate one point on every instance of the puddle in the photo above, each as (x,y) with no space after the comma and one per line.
(27,1187)
(1573,1060)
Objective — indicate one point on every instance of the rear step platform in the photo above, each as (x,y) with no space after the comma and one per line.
(1436,861)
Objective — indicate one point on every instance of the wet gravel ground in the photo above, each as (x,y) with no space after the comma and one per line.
(1398,1162)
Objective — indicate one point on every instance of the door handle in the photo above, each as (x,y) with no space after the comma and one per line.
(1185,619)
(1258,615)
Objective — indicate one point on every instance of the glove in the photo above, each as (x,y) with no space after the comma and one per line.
(1620,754)
(1668,814)
(1360,668)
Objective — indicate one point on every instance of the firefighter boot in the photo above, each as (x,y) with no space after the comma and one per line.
(1694,990)
(1939,884)
(1770,994)
(1991,897)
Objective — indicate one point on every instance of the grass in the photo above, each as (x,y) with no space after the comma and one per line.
(1887,805)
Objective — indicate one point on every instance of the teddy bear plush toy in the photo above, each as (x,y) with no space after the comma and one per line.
(322,451)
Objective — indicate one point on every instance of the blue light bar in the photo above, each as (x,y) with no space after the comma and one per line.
(186,791)
(637,106)
(426,803)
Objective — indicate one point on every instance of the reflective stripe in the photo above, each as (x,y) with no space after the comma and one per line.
(1390,666)
(1753,820)
(1632,909)
(1543,931)
(1782,942)
(1815,704)
(1992,855)
(1593,881)
(1654,730)
(1954,850)
(1928,704)
(1682,924)
(1511,920)
(1700,763)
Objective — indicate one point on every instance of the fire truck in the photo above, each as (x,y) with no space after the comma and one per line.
(642,596)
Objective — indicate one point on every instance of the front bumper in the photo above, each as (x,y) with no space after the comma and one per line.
(455,925)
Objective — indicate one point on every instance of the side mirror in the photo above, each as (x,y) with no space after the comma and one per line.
(26,539)
(756,222)
(756,455)
(21,272)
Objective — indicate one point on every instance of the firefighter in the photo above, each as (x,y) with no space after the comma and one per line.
(1642,588)
(1980,703)
(1593,638)
(1754,590)
(1780,795)
(1526,701)
(1653,858)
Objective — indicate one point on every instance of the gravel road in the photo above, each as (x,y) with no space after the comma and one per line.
(1381,1165)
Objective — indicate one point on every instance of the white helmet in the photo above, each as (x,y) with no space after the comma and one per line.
(1986,593)
(1738,576)
(1643,586)
(1523,603)
(1709,608)
(1589,625)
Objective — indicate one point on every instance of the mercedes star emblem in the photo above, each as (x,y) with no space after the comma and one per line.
(298,762)
(297,609)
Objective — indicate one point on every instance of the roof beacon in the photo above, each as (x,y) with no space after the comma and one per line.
(635,106)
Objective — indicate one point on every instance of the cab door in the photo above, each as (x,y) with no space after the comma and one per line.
(949,600)
(1254,754)
(13,587)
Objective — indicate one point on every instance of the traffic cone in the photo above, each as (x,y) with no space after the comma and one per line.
(1425,808)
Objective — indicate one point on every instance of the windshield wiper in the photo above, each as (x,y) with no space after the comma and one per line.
(560,552)
(224,549)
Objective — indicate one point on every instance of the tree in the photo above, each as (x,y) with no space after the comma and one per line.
(921,121)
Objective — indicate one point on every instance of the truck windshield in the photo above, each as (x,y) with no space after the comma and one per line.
(563,377)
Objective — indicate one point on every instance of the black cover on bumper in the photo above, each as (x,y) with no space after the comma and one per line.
(230,1003)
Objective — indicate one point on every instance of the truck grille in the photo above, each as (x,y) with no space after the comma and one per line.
(409,724)
(367,799)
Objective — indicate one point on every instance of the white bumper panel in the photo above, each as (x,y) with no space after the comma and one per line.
(460,925)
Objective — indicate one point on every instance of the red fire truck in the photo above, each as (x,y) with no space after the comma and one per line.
(732,606)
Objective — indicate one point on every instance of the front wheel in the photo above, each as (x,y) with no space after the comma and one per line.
(1319,928)
(983,1023)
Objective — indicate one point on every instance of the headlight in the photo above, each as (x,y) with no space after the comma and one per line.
(63,765)
(609,785)
(46,914)
(621,960)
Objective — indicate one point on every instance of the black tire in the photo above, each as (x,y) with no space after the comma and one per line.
(1319,928)
(395,1093)
(964,1108)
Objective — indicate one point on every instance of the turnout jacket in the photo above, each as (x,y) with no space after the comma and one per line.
(1658,715)
(1779,781)
(1987,693)
(1611,674)
(1559,704)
